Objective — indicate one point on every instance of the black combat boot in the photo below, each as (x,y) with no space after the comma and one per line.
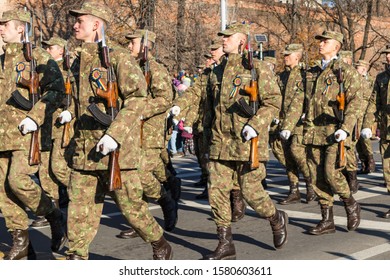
(174,186)
(204,194)
(168,206)
(352,181)
(41,221)
(293,197)
(21,246)
(126,234)
(371,164)
(326,225)
(310,194)
(237,204)
(162,250)
(279,223)
(225,249)
(57,226)
(353,212)
(364,167)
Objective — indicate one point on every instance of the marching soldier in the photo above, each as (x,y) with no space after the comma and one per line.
(292,84)
(364,146)
(153,171)
(377,108)
(328,126)
(54,169)
(229,132)
(34,72)
(97,70)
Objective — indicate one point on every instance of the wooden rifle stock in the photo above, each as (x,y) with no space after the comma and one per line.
(254,156)
(66,132)
(34,155)
(115,172)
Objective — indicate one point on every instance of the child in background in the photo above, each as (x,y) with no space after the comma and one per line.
(186,134)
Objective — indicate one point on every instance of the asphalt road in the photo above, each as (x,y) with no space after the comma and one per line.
(195,233)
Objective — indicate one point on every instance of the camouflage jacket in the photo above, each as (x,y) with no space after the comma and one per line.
(226,119)
(321,120)
(379,104)
(367,90)
(293,92)
(160,97)
(125,128)
(51,88)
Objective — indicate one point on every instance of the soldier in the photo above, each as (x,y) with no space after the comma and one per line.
(156,183)
(53,161)
(350,171)
(377,108)
(325,128)
(96,69)
(34,68)
(292,84)
(364,146)
(229,132)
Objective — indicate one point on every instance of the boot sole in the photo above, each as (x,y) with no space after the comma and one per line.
(232,257)
(290,202)
(323,232)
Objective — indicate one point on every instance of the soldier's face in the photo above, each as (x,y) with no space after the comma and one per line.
(328,47)
(85,28)
(291,59)
(216,54)
(55,51)
(10,32)
(232,43)
(134,46)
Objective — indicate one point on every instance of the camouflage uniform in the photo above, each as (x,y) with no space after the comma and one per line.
(292,86)
(319,129)
(364,146)
(90,168)
(18,190)
(229,155)
(378,110)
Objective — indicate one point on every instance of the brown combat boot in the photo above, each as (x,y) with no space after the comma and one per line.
(74,257)
(237,204)
(371,164)
(386,215)
(352,181)
(21,246)
(162,250)
(293,197)
(353,212)
(310,194)
(225,249)
(364,167)
(326,225)
(57,226)
(126,234)
(279,223)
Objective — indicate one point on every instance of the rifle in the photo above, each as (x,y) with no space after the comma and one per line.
(109,93)
(341,161)
(147,74)
(68,96)
(253,93)
(32,84)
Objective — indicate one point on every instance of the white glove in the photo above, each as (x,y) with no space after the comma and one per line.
(276,121)
(248,132)
(106,145)
(175,110)
(303,117)
(366,133)
(285,134)
(340,135)
(27,125)
(65,117)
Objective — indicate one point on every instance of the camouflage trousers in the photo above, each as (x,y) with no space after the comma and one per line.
(327,179)
(200,155)
(350,155)
(277,147)
(59,162)
(295,156)
(385,152)
(223,176)
(18,190)
(46,176)
(152,172)
(87,193)
(364,149)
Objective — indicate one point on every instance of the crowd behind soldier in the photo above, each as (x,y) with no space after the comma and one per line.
(304,136)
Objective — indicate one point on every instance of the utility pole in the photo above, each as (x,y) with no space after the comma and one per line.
(223,15)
